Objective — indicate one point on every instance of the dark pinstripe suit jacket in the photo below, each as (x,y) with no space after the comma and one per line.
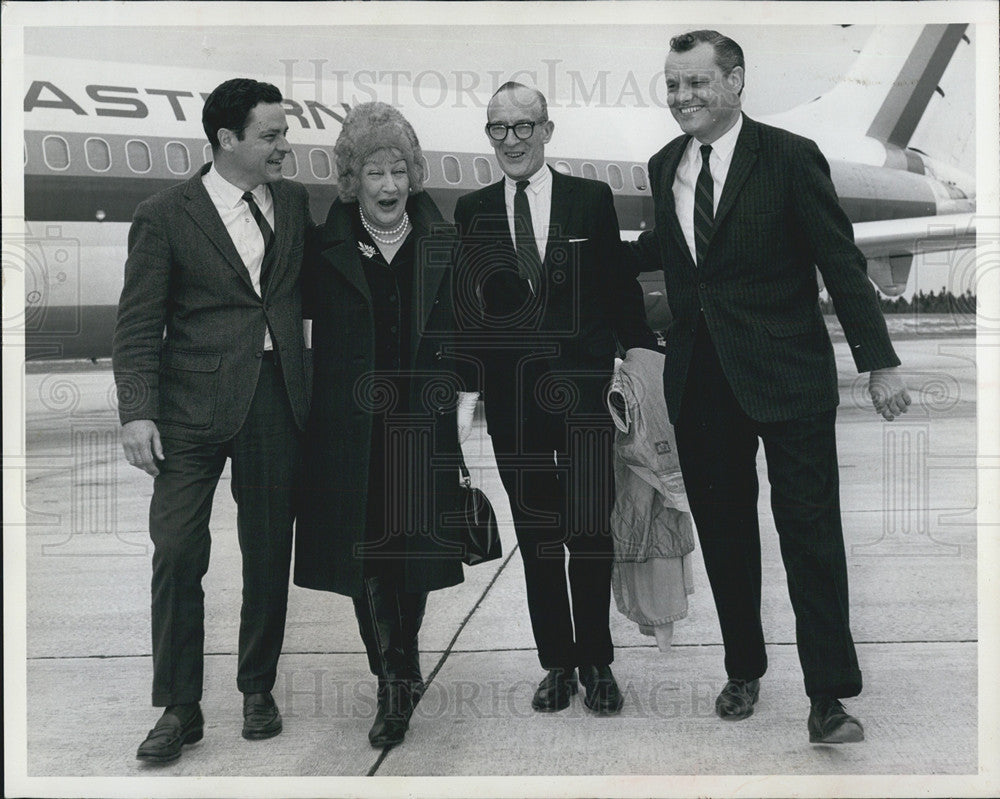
(777,219)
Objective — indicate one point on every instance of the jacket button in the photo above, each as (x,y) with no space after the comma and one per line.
(438,355)
(259,354)
(701,285)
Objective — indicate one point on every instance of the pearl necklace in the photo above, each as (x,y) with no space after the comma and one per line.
(387,237)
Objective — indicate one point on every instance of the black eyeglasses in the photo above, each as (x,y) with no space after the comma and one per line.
(498,131)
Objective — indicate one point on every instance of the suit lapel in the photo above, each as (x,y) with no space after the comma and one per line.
(672,159)
(744,157)
(560,212)
(282,232)
(202,210)
(346,259)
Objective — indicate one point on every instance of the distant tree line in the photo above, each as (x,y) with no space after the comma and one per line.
(944,302)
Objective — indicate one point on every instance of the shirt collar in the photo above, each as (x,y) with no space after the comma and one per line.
(724,145)
(538,181)
(231,195)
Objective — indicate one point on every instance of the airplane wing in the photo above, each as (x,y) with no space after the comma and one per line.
(890,244)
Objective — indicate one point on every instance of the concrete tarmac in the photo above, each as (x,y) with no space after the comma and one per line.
(909,496)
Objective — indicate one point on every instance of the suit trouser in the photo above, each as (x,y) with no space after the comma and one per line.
(717,446)
(265,458)
(562,501)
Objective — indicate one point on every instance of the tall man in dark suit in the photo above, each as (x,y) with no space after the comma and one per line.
(744,215)
(209,363)
(542,295)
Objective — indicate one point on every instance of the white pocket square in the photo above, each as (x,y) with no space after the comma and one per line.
(577,241)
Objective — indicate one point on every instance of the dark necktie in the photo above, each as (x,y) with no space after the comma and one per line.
(265,231)
(704,206)
(529,263)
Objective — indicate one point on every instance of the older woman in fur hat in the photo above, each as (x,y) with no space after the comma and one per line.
(382,442)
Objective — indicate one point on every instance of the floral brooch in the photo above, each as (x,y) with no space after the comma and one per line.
(366,249)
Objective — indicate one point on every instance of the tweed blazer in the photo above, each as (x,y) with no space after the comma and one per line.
(778,218)
(189,336)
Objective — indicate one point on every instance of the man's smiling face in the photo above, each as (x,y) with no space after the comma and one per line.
(703,100)
(519,159)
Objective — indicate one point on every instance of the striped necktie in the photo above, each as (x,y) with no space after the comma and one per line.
(704,206)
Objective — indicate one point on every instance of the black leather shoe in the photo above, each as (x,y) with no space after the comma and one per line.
(179,725)
(555,691)
(392,718)
(829,723)
(737,699)
(603,696)
(261,718)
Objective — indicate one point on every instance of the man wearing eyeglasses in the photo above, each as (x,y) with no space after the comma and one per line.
(544,309)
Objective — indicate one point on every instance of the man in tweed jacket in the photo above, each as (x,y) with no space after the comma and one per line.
(210,365)
(744,215)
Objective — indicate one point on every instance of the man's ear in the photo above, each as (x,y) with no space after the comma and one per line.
(734,80)
(547,129)
(226,138)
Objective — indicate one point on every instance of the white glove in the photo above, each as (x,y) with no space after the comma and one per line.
(466,410)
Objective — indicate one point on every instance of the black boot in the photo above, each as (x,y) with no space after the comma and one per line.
(392,717)
(379,621)
(411,614)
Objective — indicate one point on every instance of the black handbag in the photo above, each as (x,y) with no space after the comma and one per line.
(480,535)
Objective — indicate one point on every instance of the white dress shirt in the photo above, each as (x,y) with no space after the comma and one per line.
(687,175)
(539,193)
(243,230)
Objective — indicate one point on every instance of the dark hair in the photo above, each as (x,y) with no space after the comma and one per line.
(230,103)
(513,86)
(728,54)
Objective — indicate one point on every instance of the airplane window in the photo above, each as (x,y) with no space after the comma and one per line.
(207,154)
(639,177)
(427,167)
(138,156)
(290,166)
(564,167)
(484,171)
(589,170)
(178,158)
(319,162)
(615,177)
(56,152)
(452,169)
(98,154)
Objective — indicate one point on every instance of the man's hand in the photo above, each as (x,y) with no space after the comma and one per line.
(466,410)
(888,393)
(141,442)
